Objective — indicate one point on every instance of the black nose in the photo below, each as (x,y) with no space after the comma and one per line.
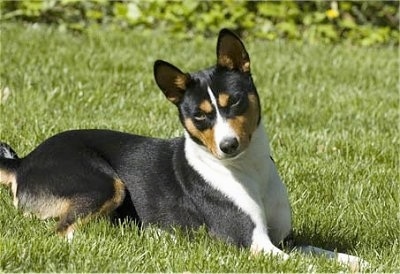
(229,145)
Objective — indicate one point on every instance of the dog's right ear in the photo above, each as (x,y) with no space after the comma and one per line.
(171,80)
(231,52)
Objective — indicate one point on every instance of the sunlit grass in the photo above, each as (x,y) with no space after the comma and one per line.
(332,114)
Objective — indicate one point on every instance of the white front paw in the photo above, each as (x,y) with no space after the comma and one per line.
(268,250)
(355,263)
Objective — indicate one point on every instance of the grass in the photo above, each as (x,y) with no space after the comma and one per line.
(332,114)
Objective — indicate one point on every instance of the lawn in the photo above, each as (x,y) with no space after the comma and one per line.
(332,114)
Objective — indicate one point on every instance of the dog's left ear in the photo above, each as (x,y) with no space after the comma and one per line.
(231,52)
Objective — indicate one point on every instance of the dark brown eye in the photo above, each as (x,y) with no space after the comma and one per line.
(236,101)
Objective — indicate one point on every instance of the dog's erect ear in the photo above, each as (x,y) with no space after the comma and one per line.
(171,80)
(231,52)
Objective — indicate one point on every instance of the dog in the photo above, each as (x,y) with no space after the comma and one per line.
(220,174)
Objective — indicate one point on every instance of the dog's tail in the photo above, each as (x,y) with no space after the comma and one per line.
(9,163)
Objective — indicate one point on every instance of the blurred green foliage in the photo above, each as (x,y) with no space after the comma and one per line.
(358,22)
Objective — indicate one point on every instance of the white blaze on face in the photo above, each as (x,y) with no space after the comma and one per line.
(222,129)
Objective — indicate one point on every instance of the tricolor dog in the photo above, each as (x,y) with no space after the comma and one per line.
(220,174)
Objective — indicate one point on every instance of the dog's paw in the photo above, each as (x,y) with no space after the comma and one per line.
(268,250)
(355,264)
(69,236)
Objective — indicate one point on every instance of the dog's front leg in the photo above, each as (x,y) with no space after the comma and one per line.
(353,262)
(262,243)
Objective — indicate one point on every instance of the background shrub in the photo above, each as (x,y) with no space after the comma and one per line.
(362,22)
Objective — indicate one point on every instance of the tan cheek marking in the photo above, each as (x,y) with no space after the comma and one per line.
(206,106)
(223,99)
(244,125)
(206,136)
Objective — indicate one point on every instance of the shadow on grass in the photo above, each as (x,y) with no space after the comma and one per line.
(306,236)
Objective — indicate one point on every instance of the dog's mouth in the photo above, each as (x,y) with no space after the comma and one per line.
(232,156)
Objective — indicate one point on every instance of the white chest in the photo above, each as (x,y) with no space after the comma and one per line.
(244,179)
(252,183)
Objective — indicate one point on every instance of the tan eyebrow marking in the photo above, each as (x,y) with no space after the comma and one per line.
(223,99)
(206,106)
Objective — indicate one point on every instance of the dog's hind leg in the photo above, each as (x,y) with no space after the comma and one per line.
(9,163)
(86,206)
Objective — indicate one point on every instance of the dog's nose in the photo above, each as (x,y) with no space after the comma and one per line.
(229,145)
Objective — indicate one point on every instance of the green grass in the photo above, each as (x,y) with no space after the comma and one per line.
(332,114)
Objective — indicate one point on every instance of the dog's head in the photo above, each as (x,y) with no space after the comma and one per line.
(219,107)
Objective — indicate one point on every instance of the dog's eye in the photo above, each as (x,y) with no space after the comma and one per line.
(236,101)
(200,116)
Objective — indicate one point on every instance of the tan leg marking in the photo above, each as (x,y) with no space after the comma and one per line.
(52,207)
(8,178)
(116,200)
